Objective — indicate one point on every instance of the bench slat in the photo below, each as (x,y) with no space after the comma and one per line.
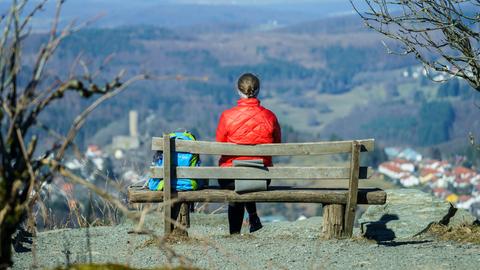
(274,194)
(284,149)
(291,173)
(351,206)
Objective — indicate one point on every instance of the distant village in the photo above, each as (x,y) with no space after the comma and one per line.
(447,180)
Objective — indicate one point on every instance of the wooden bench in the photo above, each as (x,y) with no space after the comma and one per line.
(339,204)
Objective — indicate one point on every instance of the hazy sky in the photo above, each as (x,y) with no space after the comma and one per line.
(218,2)
(248,2)
(173,13)
(206,2)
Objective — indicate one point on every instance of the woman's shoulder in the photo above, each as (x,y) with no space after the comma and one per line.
(229,111)
(268,113)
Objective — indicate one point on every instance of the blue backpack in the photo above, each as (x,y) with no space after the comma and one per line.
(179,159)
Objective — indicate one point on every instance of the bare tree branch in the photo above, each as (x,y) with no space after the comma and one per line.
(80,120)
(439,33)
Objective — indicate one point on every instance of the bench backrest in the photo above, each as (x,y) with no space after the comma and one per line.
(284,149)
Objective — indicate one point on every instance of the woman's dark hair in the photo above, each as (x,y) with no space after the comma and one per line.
(249,85)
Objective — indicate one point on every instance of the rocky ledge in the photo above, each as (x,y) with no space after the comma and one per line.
(408,213)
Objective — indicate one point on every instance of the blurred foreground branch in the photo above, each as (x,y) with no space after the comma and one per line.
(28,88)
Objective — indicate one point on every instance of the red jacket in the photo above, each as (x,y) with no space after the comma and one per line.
(248,123)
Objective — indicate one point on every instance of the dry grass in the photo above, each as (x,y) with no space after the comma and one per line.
(149,243)
(361,239)
(171,239)
(463,234)
(116,267)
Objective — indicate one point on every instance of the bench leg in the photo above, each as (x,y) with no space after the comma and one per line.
(333,221)
(182,216)
(168,214)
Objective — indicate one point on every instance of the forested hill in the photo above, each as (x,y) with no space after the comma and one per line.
(321,83)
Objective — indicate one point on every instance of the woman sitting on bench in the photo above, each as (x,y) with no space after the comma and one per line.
(247,123)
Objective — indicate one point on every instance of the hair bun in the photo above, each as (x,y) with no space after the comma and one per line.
(249,85)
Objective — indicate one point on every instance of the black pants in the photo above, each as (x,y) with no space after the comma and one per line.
(236,211)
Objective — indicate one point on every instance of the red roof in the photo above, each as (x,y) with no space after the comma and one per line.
(439,190)
(93,147)
(68,188)
(401,161)
(462,170)
(444,163)
(391,167)
(464,198)
(427,171)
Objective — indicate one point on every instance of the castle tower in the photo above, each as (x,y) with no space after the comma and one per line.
(133,123)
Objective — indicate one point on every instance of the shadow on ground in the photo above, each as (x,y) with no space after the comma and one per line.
(384,236)
(378,230)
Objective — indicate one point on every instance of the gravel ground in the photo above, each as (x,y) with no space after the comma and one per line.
(281,245)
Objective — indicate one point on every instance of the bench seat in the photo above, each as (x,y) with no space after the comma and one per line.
(377,196)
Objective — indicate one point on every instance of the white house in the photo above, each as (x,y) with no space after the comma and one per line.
(409,180)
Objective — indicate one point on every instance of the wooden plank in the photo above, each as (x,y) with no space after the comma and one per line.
(333,218)
(167,189)
(284,149)
(274,194)
(286,173)
(351,205)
